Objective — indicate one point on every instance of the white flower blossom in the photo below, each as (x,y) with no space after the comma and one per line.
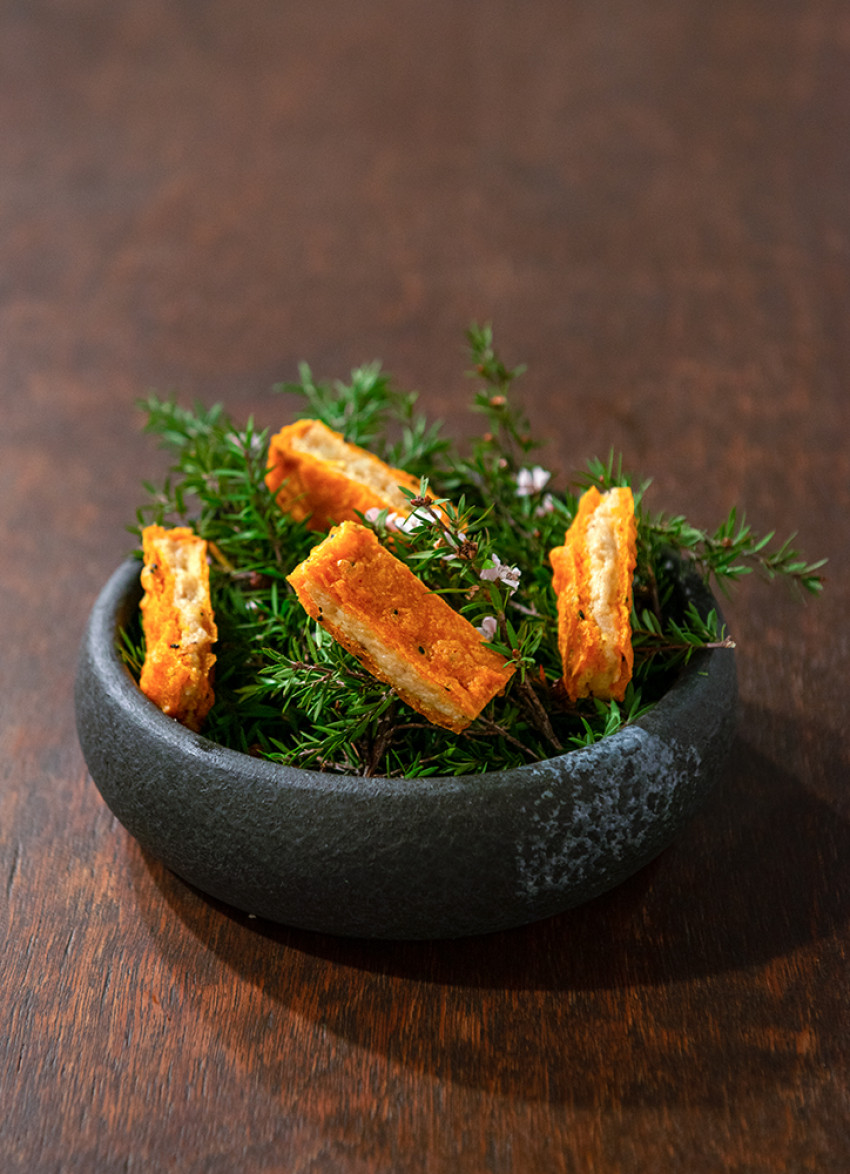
(531,481)
(502,573)
(488,627)
(409,522)
(547,506)
(252,442)
(404,523)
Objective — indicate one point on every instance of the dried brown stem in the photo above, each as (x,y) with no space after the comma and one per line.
(538,715)
(384,735)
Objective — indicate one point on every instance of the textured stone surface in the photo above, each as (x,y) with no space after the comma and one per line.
(416,858)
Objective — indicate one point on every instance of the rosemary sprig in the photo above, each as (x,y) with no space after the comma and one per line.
(478,532)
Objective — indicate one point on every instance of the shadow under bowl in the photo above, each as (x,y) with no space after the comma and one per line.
(397,858)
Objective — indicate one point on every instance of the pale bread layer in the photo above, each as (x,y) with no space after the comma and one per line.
(603,583)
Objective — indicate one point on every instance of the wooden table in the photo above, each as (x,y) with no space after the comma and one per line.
(652,204)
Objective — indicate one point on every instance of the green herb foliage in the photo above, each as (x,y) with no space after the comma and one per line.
(482,525)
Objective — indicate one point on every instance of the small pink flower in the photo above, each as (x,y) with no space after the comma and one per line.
(531,481)
(408,522)
(502,573)
(488,628)
(395,523)
(547,506)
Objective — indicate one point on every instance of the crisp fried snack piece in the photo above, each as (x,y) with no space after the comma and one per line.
(323,480)
(374,606)
(177,618)
(593,573)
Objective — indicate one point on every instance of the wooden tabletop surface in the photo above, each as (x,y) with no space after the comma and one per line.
(651,203)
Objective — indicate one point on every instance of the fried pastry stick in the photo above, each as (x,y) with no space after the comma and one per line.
(322,479)
(178,622)
(376,608)
(593,574)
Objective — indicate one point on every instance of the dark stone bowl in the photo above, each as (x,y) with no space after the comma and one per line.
(397,858)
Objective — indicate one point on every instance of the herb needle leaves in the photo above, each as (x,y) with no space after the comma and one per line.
(479,532)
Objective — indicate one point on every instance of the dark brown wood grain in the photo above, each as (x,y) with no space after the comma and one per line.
(652,204)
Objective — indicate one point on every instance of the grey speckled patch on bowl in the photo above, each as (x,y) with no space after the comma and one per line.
(396,858)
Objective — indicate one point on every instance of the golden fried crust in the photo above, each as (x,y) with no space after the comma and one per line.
(375,607)
(177,618)
(323,480)
(593,574)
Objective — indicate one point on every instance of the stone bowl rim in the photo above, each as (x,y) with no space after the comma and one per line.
(710,673)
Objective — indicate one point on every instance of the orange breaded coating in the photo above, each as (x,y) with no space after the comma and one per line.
(593,574)
(324,480)
(178,622)
(375,607)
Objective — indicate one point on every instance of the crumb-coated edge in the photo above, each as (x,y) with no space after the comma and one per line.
(324,492)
